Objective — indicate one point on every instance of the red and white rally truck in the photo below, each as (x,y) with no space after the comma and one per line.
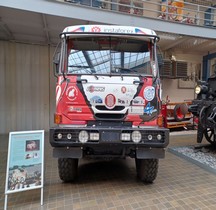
(108,98)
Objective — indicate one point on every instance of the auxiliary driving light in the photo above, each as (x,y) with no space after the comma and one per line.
(150,137)
(136,136)
(94,136)
(59,136)
(198,89)
(159,137)
(69,136)
(125,137)
(83,136)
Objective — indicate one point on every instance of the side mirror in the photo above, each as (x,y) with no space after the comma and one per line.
(160,58)
(56,61)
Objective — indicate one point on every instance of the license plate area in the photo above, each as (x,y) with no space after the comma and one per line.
(110,136)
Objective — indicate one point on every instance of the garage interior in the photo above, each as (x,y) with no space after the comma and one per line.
(29,33)
(29,40)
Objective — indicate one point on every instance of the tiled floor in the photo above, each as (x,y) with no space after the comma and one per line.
(113,185)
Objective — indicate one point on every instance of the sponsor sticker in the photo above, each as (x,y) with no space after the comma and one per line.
(123,89)
(110,101)
(138,101)
(136,110)
(96,29)
(92,89)
(149,109)
(96,100)
(149,93)
(72,93)
(75,109)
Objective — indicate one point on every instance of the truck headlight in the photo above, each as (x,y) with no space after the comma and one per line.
(150,137)
(69,136)
(125,137)
(159,137)
(136,136)
(94,136)
(201,89)
(59,136)
(83,136)
(198,89)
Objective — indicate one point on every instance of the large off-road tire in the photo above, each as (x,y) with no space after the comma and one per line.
(210,136)
(68,169)
(147,169)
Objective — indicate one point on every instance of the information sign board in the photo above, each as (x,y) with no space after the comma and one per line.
(25,163)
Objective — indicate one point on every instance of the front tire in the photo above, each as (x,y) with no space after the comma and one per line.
(68,169)
(210,136)
(147,169)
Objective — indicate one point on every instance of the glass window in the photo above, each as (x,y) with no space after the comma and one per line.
(101,55)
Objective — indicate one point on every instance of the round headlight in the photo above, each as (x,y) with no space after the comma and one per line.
(150,137)
(136,136)
(69,136)
(83,136)
(159,137)
(59,136)
(197,89)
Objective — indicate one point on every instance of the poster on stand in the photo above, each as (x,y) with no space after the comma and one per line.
(25,164)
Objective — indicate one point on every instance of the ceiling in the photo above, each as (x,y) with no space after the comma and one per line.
(37,28)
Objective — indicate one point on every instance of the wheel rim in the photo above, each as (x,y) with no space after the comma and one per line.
(210,136)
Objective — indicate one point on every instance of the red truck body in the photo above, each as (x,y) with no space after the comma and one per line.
(108,98)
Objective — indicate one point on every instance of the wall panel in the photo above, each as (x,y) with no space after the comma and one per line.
(24,87)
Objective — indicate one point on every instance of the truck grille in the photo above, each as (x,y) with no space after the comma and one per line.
(116,108)
(109,116)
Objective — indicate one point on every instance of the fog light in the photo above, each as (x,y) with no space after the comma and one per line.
(150,137)
(159,137)
(125,137)
(94,136)
(69,136)
(136,136)
(83,136)
(59,136)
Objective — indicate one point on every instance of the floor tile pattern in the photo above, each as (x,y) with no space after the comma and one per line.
(112,185)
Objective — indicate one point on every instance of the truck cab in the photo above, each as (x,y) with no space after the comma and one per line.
(108,99)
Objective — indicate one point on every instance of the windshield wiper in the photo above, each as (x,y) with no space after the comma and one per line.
(79,66)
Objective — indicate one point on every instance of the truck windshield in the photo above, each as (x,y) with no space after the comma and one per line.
(109,55)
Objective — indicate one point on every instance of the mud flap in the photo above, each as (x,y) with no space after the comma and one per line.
(67,152)
(150,153)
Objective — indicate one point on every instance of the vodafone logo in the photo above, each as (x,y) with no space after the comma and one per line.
(110,101)
(96,29)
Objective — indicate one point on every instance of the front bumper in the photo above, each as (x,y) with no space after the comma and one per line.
(109,143)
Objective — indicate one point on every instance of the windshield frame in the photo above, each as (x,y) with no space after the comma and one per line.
(150,40)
